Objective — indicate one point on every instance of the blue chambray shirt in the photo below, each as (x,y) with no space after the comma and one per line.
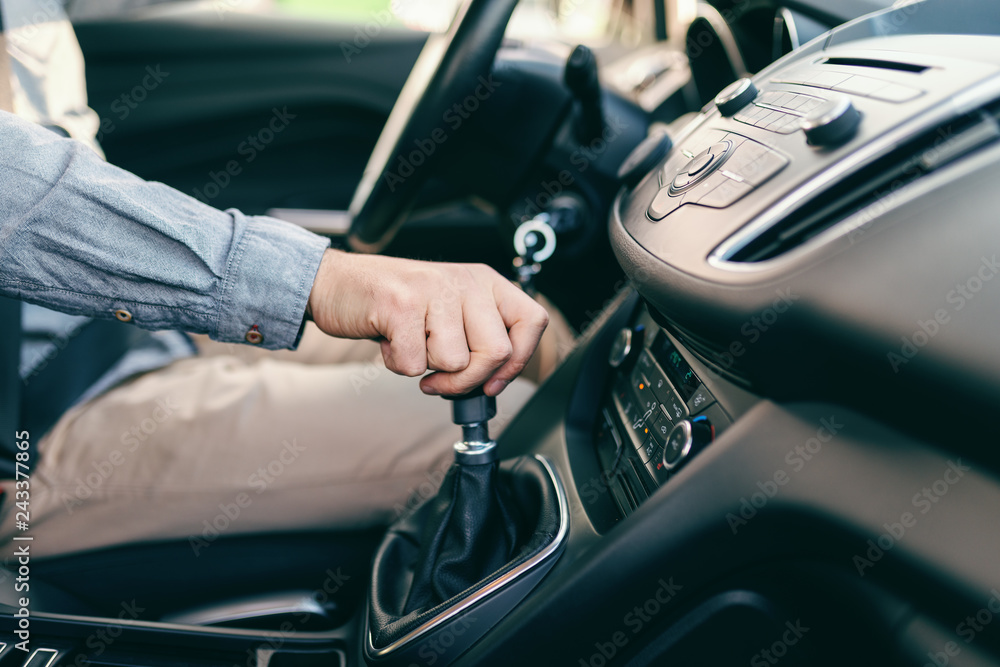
(86,238)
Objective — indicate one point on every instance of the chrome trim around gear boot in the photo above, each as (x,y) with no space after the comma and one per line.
(538,565)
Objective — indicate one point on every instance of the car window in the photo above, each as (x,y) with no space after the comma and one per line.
(592,22)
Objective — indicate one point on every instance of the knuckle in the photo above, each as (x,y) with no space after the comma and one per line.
(500,352)
(406,365)
(452,363)
(542,316)
(405,302)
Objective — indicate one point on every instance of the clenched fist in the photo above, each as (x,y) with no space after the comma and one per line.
(463,321)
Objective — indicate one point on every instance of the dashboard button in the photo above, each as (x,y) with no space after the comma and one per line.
(671,403)
(775,121)
(680,182)
(755,163)
(725,194)
(700,399)
(827,79)
(751,114)
(661,426)
(694,195)
(675,408)
(701,166)
(764,167)
(860,85)
(699,163)
(782,99)
(663,204)
(785,125)
(647,400)
(650,450)
(770,117)
(810,103)
(646,363)
(661,387)
(796,101)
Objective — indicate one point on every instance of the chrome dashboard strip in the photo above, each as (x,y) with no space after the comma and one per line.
(985,91)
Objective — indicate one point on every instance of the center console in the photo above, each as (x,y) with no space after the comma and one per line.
(657,414)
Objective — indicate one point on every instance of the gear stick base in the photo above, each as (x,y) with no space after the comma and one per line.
(468,555)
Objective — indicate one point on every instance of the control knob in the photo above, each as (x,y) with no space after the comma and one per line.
(831,123)
(626,346)
(687,436)
(735,96)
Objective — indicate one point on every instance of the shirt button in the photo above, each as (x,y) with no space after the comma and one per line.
(123,315)
(254,337)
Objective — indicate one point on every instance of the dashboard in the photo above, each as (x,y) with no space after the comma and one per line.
(794,241)
(785,422)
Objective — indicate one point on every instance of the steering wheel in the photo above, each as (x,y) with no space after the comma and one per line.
(449,68)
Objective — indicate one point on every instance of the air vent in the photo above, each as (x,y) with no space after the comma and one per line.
(877,64)
(871,184)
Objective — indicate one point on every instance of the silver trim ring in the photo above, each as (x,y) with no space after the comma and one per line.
(539,225)
(495,585)
(685,425)
(724,97)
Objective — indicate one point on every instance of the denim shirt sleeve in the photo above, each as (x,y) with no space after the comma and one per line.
(84,237)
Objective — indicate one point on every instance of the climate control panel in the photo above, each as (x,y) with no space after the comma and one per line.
(657,414)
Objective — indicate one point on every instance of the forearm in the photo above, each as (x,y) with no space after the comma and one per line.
(84,237)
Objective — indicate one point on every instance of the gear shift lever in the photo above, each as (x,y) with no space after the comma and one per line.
(470,531)
(486,520)
(472,412)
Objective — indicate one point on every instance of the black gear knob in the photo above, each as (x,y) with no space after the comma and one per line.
(472,412)
(472,408)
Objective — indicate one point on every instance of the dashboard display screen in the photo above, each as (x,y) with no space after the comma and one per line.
(680,373)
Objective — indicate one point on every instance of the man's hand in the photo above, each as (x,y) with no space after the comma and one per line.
(464,321)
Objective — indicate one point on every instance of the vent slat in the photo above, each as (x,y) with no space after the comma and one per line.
(873,184)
